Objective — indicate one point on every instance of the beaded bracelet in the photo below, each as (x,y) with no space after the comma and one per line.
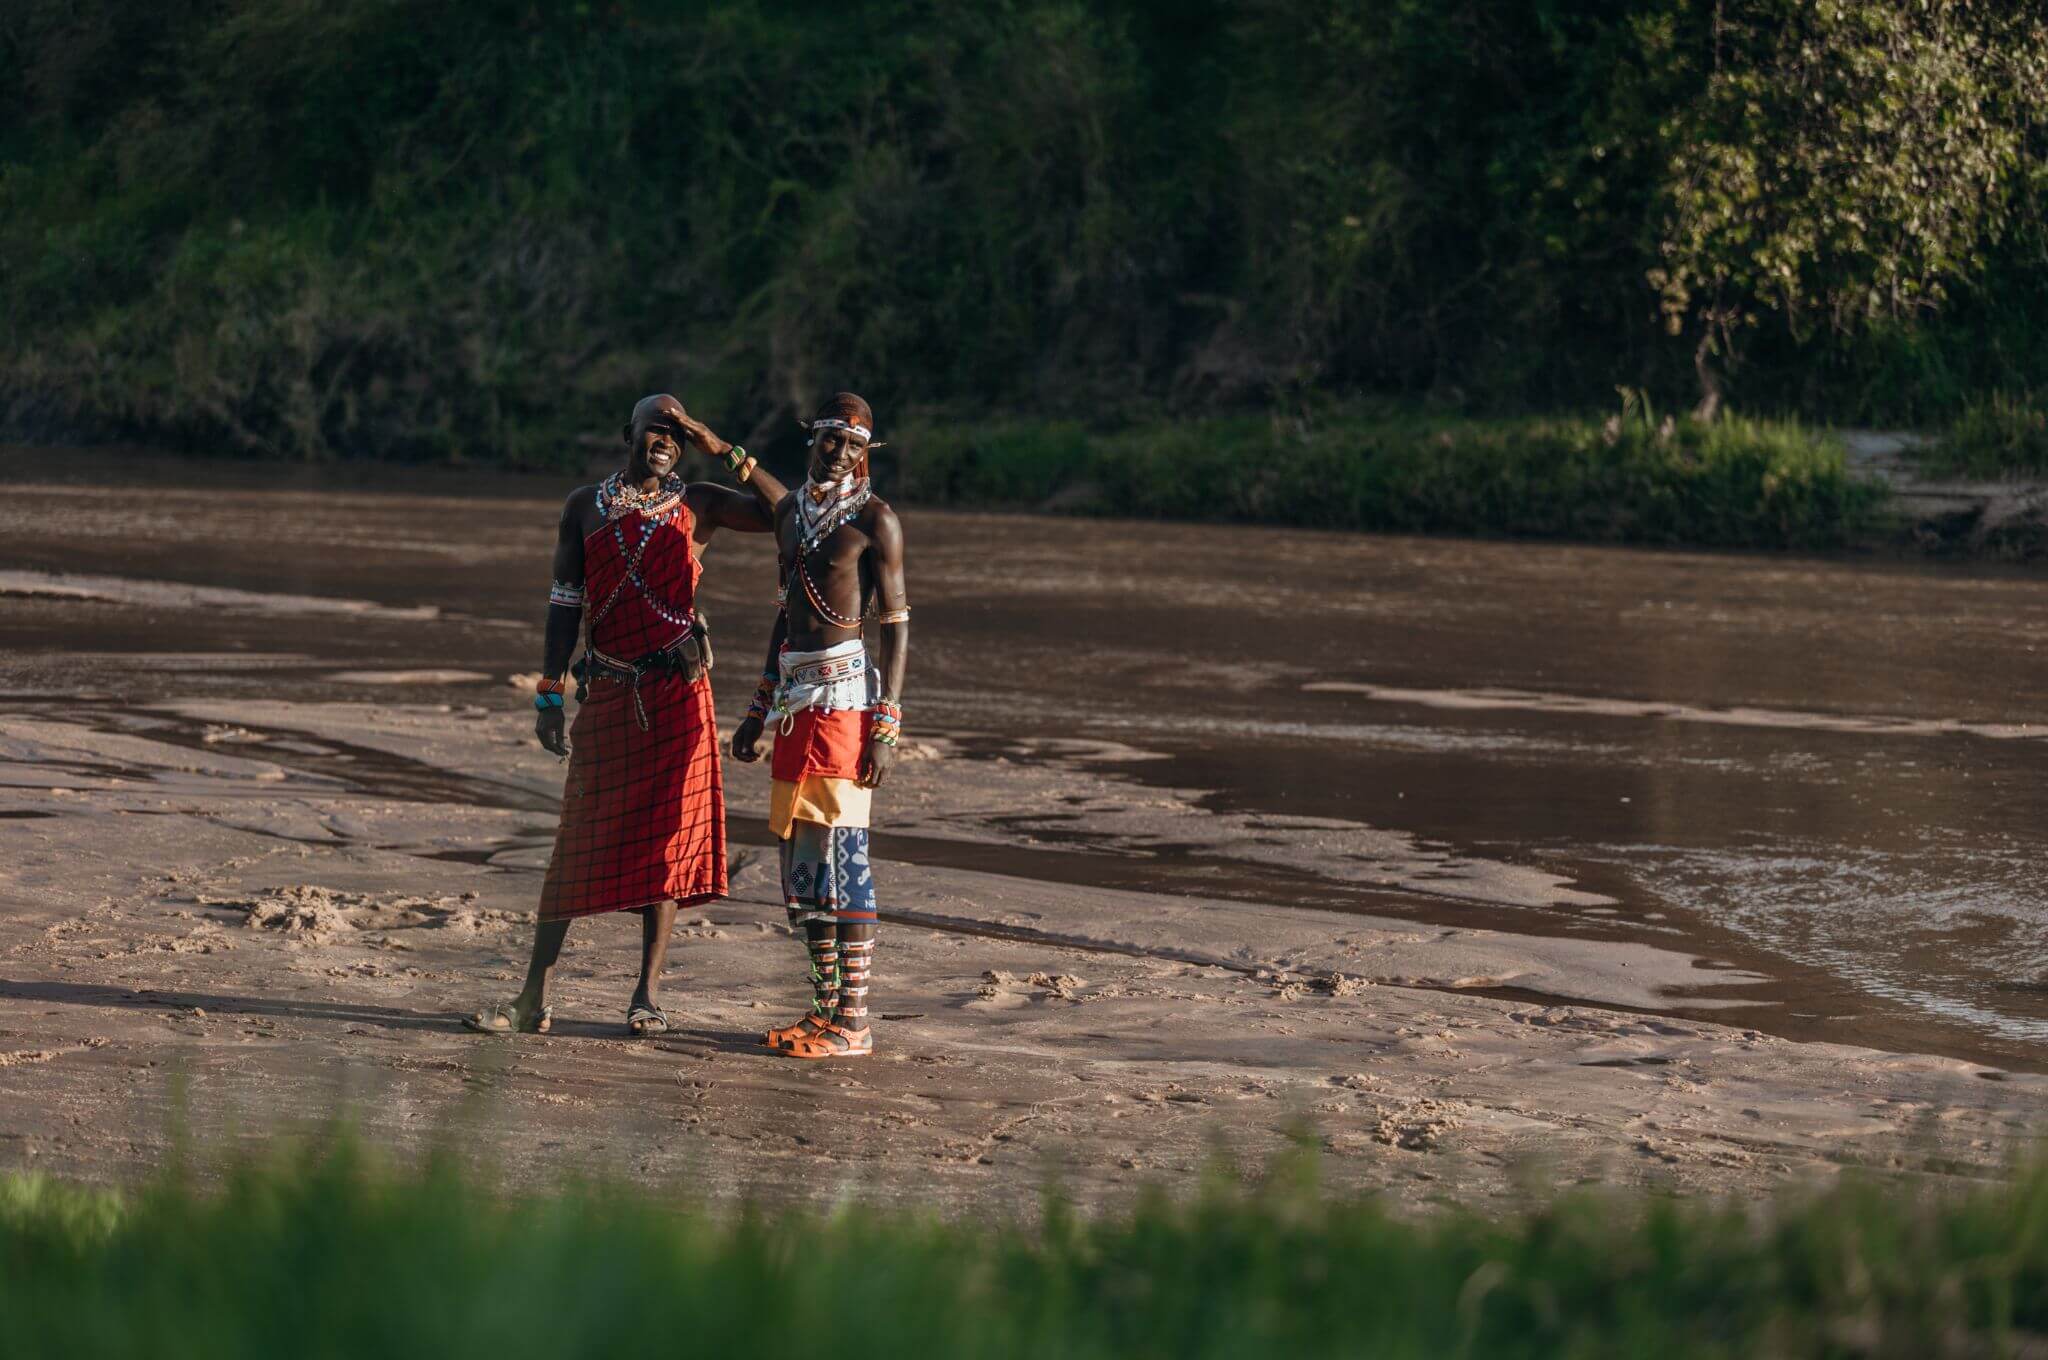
(740,462)
(544,685)
(886,724)
(764,697)
(547,699)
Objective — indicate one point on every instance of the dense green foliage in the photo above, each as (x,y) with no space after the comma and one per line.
(1842,163)
(478,228)
(1734,483)
(325,1257)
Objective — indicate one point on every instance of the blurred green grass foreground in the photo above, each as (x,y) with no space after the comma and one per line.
(326,1253)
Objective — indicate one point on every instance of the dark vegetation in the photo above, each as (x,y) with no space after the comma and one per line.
(475,230)
(1731,483)
(329,1256)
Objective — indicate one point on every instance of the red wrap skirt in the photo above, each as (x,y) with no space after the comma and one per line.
(643,813)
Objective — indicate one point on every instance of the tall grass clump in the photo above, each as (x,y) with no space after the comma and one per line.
(1735,483)
(2002,434)
(328,1255)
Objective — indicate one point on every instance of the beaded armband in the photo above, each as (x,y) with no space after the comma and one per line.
(885,725)
(895,615)
(740,462)
(566,594)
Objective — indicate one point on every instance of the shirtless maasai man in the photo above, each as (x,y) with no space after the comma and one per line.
(643,808)
(836,719)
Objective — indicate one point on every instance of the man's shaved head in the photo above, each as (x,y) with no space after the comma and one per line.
(654,437)
(661,403)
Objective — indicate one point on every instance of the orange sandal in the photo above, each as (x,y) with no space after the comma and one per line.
(832,1041)
(811,1023)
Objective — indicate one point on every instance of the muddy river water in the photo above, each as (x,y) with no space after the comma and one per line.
(1820,778)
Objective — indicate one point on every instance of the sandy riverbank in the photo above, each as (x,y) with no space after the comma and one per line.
(278,909)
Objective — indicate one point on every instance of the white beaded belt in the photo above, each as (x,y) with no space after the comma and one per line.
(842,678)
(827,672)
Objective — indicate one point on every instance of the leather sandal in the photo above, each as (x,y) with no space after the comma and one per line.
(833,1041)
(502,1017)
(782,1037)
(645,1021)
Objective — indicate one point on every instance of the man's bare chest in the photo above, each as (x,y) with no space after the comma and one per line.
(838,551)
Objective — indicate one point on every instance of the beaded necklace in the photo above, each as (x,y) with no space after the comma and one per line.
(836,512)
(816,597)
(617,497)
(650,523)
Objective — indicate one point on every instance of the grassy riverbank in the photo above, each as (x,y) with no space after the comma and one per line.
(1735,483)
(329,1256)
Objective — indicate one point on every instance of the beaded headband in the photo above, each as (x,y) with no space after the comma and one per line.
(830,423)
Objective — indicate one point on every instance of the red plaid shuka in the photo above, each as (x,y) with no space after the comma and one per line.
(643,813)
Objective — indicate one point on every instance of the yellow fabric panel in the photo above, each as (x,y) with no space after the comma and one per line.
(819,798)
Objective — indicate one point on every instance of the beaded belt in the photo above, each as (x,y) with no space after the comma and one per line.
(688,656)
(829,671)
(828,682)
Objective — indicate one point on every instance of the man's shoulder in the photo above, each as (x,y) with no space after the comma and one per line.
(879,517)
(580,506)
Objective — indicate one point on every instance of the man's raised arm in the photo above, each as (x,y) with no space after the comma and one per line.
(749,511)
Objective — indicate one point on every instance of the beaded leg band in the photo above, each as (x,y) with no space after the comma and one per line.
(821,940)
(857,960)
(847,1034)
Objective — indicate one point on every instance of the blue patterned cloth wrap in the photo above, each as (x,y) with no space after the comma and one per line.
(825,873)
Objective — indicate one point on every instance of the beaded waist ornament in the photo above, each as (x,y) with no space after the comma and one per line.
(837,678)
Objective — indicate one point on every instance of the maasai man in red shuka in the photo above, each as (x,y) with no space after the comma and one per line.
(643,808)
(836,716)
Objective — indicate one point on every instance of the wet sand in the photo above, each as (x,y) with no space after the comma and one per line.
(1687,869)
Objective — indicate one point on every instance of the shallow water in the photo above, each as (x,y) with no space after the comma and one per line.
(1826,772)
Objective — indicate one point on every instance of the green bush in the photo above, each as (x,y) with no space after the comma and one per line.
(331,1256)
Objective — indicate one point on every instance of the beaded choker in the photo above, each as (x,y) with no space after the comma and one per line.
(816,519)
(617,497)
